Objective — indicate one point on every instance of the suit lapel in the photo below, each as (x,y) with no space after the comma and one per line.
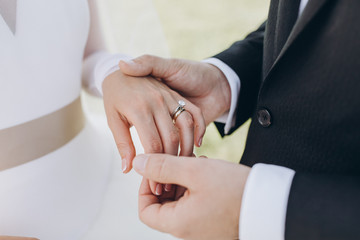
(309,13)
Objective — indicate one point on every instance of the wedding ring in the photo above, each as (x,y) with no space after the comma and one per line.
(176,113)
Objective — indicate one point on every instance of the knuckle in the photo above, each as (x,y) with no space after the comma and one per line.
(174,137)
(155,146)
(139,102)
(197,111)
(123,146)
(159,98)
(200,122)
(188,121)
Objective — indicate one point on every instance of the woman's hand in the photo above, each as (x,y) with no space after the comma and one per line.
(147,104)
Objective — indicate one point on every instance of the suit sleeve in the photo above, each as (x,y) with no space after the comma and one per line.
(245,58)
(323,207)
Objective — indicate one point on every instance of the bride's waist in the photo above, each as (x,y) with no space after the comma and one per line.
(31,140)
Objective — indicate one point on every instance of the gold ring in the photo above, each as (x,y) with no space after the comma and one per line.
(176,113)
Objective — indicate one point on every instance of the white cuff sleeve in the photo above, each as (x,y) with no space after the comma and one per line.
(264,203)
(97,67)
(234,82)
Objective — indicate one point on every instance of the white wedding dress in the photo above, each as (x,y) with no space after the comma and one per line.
(77,191)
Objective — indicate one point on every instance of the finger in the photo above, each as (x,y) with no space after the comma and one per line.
(199,122)
(152,212)
(168,132)
(169,137)
(185,123)
(151,141)
(148,134)
(168,187)
(123,140)
(149,65)
(163,168)
(153,187)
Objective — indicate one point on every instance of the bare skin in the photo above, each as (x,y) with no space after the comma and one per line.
(201,83)
(146,104)
(210,206)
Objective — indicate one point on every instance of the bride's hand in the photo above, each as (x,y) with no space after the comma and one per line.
(147,104)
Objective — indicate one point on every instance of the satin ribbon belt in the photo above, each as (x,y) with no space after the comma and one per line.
(31,140)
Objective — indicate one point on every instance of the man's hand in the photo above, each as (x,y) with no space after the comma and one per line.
(210,207)
(201,83)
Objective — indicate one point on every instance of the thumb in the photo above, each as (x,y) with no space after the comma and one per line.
(169,169)
(148,65)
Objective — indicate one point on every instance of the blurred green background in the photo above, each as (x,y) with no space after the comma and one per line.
(191,29)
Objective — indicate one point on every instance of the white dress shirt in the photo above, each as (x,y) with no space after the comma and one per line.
(265,198)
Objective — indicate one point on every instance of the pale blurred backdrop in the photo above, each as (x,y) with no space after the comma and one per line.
(192,29)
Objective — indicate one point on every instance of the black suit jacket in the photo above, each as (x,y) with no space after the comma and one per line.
(311,92)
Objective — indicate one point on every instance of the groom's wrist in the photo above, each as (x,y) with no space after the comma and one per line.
(228,89)
(222,89)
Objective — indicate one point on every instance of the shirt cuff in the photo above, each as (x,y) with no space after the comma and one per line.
(264,202)
(97,67)
(234,81)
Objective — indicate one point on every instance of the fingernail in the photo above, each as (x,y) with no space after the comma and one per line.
(200,141)
(124,165)
(167,187)
(158,190)
(129,62)
(140,163)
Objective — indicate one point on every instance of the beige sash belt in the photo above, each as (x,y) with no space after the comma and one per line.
(26,142)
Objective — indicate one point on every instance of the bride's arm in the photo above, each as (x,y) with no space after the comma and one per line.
(144,102)
(98,62)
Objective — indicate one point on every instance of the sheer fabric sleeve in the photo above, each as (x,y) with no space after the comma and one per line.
(98,61)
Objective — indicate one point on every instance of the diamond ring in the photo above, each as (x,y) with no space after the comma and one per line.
(180,108)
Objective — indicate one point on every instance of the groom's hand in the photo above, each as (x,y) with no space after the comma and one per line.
(210,207)
(202,83)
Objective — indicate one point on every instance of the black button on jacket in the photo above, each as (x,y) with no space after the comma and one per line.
(310,88)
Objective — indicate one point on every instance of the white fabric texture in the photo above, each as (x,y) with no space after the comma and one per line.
(264,200)
(234,82)
(61,195)
(97,67)
(264,203)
